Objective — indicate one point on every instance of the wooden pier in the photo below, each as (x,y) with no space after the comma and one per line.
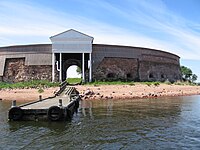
(59,107)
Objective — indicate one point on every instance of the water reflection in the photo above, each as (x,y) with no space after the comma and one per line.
(166,123)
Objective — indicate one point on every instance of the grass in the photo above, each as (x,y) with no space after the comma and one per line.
(28,84)
(42,84)
(74,80)
(40,90)
(111,83)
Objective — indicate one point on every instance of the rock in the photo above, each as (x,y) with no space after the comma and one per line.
(88,92)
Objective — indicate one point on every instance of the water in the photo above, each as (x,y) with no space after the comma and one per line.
(163,123)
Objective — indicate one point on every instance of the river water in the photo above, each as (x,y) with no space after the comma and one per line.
(162,123)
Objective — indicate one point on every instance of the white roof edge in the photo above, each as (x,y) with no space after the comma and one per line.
(74,31)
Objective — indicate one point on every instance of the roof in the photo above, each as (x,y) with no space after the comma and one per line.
(71,34)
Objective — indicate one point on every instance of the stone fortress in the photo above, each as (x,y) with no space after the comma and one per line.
(98,62)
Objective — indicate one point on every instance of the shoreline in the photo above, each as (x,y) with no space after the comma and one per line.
(103,92)
(138,91)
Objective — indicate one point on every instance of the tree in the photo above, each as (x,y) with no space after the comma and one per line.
(187,74)
(194,77)
(78,70)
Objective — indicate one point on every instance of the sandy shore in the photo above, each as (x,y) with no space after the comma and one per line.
(25,94)
(136,91)
(106,92)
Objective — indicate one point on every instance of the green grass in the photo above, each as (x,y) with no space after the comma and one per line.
(40,90)
(74,80)
(28,84)
(111,83)
(42,84)
(151,83)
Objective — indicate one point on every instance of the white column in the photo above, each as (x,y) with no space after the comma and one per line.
(90,69)
(83,67)
(60,75)
(53,67)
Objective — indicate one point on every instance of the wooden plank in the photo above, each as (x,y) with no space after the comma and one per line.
(45,104)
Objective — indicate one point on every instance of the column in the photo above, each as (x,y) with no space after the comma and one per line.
(90,69)
(83,67)
(60,75)
(53,67)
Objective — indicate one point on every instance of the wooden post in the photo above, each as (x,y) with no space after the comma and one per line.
(13,103)
(40,97)
(60,102)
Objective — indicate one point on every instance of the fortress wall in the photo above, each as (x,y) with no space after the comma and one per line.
(101,51)
(16,71)
(25,49)
(26,62)
(151,65)
(154,71)
(117,69)
(110,62)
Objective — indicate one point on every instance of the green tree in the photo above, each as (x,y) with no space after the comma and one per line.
(194,77)
(187,74)
(78,70)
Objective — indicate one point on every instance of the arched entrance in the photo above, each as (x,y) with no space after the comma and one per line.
(67,64)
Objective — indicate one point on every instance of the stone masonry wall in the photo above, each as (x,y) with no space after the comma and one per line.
(16,71)
(117,69)
(157,71)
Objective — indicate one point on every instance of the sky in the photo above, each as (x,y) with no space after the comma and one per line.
(168,25)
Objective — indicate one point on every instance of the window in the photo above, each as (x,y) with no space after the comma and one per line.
(150,75)
(128,75)
(110,75)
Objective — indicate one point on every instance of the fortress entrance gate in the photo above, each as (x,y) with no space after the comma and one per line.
(68,48)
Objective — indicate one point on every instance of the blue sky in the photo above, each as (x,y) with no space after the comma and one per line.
(169,25)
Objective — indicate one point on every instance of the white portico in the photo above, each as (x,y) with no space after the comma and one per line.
(71,44)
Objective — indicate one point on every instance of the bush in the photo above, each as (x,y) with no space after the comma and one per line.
(156,83)
(147,83)
(40,90)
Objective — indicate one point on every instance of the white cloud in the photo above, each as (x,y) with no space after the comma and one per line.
(25,22)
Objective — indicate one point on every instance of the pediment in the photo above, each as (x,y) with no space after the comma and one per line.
(71,41)
(71,35)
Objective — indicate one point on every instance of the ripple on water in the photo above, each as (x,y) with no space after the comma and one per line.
(166,123)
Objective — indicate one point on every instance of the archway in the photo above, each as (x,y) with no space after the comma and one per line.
(70,69)
(74,75)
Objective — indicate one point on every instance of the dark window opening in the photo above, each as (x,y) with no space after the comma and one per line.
(150,75)
(110,75)
(162,76)
(129,75)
